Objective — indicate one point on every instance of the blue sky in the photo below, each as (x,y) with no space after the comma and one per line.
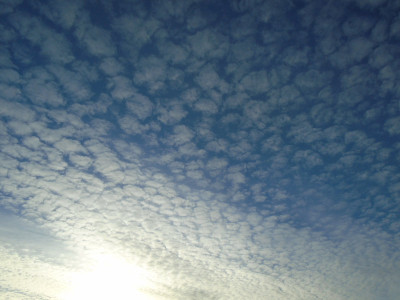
(220,149)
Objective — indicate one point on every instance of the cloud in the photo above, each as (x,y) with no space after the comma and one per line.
(208,43)
(43,90)
(53,46)
(141,106)
(151,73)
(182,134)
(96,40)
(171,113)
(227,150)
(111,66)
(60,13)
(75,86)
(36,275)
(8,6)
(393,126)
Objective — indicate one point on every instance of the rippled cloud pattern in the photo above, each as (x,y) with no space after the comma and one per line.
(240,149)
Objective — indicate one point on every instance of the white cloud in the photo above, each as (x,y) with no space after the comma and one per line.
(255,82)
(393,126)
(352,52)
(171,113)
(182,134)
(122,87)
(5,59)
(135,32)
(17,111)
(206,106)
(42,90)
(20,128)
(303,132)
(132,126)
(61,13)
(111,66)
(151,72)
(308,158)
(312,80)
(208,78)
(380,56)
(69,146)
(395,29)
(53,45)
(228,153)
(380,31)
(73,84)
(208,43)
(173,53)
(9,76)
(35,278)
(97,41)
(8,6)
(357,25)
(140,106)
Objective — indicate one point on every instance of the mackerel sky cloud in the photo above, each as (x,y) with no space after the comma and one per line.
(199,149)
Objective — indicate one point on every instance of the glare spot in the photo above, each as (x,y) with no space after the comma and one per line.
(108,277)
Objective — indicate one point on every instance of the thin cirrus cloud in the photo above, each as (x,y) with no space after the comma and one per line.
(230,150)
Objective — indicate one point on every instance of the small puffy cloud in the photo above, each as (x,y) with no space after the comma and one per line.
(380,57)
(9,76)
(395,29)
(122,87)
(357,25)
(151,72)
(352,52)
(217,163)
(312,80)
(111,66)
(206,106)
(53,45)
(43,93)
(140,106)
(209,43)
(60,13)
(208,78)
(97,41)
(69,146)
(255,82)
(74,85)
(171,114)
(182,134)
(393,126)
(8,6)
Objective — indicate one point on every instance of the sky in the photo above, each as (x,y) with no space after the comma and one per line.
(198,149)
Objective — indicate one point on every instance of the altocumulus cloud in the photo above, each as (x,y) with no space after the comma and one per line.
(239,149)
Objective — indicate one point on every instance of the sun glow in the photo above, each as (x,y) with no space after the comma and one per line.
(109,277)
